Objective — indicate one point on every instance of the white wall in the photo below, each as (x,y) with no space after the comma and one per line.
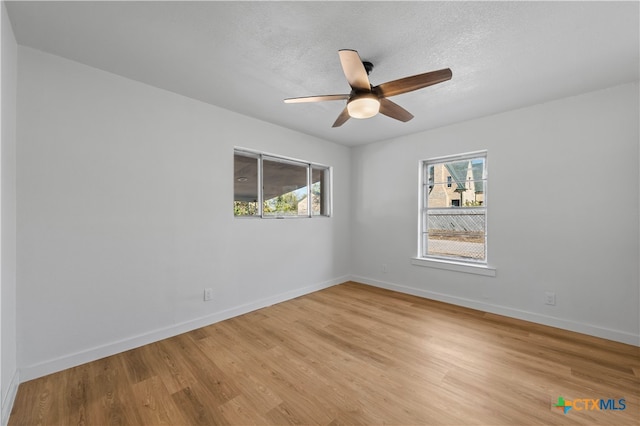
(125,215)
(8,365)
(563,213)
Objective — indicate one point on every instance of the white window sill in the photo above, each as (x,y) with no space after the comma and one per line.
(449,265)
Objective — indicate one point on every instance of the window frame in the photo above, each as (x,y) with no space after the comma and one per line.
(480,266)
(309,167)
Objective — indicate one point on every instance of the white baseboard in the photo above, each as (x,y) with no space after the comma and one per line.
(10,397)
(605,333)
(51,366)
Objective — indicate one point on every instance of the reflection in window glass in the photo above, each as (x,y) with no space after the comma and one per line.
(245,184)
(319,191)
(285,187)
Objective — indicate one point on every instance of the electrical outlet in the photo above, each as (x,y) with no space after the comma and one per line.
(549,298)
(208,294)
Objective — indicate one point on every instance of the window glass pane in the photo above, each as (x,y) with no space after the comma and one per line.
(245,184)
(454,225)
(285,188)
(442,196)
(319,191)
(456,233)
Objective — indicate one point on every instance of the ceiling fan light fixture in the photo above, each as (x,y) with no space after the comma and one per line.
(363,106)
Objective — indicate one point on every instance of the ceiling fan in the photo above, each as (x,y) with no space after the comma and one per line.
(366,100)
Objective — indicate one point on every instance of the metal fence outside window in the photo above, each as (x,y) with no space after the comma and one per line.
(456,232)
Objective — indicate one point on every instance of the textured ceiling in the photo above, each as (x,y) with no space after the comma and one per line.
(248,56)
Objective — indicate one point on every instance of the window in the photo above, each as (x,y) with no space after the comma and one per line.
(454,208)
(269,186)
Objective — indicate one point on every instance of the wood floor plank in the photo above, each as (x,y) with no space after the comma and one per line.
(167,362)
(195,407)
(241,411)
(155,404)
(209,375)
(349,354)
(108,386)
(258,392)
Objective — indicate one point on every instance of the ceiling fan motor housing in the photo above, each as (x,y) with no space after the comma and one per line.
(368,66)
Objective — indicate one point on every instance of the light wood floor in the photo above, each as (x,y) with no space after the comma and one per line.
(350,354)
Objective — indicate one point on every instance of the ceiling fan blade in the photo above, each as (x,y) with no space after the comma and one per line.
(393,110)
(354,70)
(342,118)
(316,99)
(415,82)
